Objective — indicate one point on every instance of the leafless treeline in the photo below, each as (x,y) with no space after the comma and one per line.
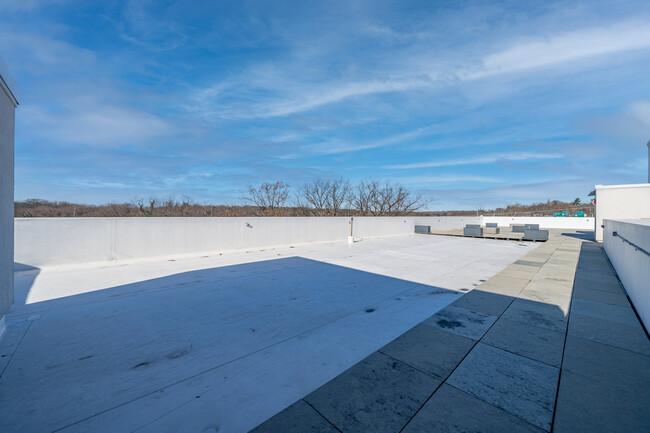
(323,197)
(318,198)
(152,207)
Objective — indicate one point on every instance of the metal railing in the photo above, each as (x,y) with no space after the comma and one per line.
(638,248)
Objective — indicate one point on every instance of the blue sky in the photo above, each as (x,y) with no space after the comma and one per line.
(474,105)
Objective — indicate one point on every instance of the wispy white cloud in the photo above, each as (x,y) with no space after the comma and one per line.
(630,124)
(28,5)
(526,55)
(447,179)
(487,159)
(340,146)
(95,125)
(554,49)
(40,55)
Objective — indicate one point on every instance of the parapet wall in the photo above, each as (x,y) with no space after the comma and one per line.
(632,262)
(567,223)
(8,103)
(44,242)
(621,202)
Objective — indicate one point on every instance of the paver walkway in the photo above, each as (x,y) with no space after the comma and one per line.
(551,343)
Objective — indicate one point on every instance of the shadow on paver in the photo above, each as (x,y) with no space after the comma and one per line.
(585,235)
(24,277)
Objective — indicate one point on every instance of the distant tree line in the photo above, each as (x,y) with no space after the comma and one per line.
(320,197)
(323,197)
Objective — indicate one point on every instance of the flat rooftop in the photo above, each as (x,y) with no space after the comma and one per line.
(405,332)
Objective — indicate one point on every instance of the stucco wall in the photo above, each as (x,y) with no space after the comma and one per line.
(7,121)
(58,241)
(631,264)
(621,202)
(42,242)
(574,223)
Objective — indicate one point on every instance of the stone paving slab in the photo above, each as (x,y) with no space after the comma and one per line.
(615,367)
(430,350)
(586,405)
(451,410)
(537,314)
(506,281)
(500,289)
(596,284)
(612,313)
(560,300)
(527,340)
(297,418)
(461,321)
(484,302)
(597,281)
(602,296)
(518,385)
(631,338)
(379,394)
(529,263)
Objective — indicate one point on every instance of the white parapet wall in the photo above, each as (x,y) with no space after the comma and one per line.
(621,202)
(567,223)
(44,242)
(8,104)
(632,262)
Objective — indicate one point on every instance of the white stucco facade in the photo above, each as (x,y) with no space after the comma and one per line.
(44,242)
(621,202)
(632,264)
(8,104)
(573,223)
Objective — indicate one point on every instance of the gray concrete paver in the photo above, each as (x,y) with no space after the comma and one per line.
(601,296)
(614,367)
(379,394)
(297,418)
(631,338)
(451,410)
(461,321)
(527,340)
(599,310)
(518,385)
(586,405)
(484,302)
(431,350)
(538,314)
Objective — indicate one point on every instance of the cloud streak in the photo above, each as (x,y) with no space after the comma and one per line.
(526,56)
(487,159)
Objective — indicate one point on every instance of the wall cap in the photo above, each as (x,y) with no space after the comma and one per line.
(631,185)
(7,83)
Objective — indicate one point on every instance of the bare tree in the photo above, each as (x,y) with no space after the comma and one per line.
(364,196)
(314,195)
(153,202)
(377,199)
(268,197)
(325,197)
(339,196)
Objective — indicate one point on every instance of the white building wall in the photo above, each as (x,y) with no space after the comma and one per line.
(8,103)
(574,223)
(632,264)
(621,202)
(42,242)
